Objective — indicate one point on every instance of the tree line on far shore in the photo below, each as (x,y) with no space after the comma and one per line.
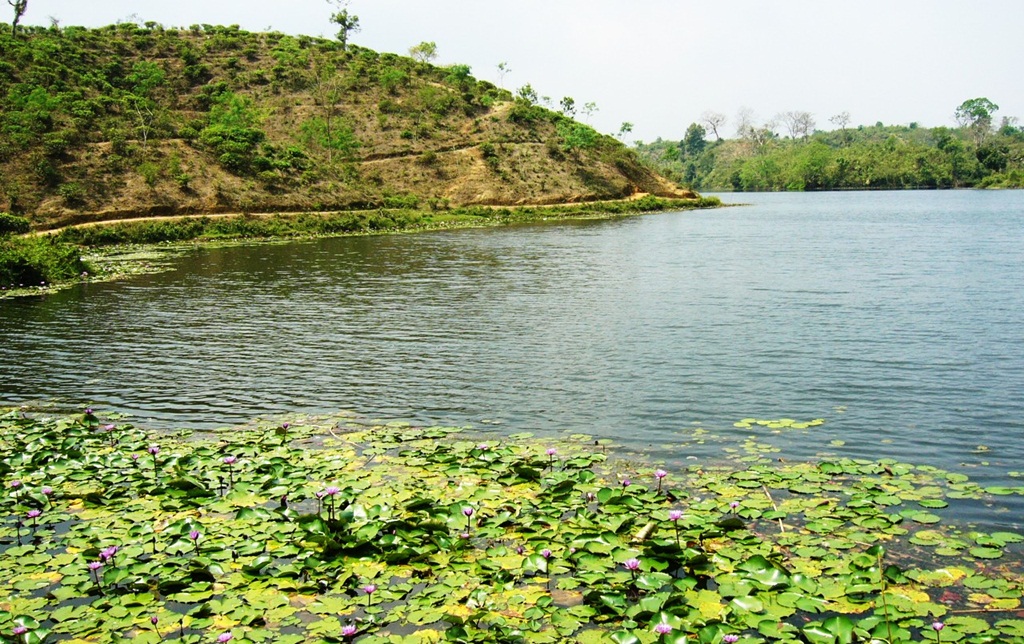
(978,153)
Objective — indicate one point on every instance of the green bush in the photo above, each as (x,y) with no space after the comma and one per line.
(12,224)
(32,261)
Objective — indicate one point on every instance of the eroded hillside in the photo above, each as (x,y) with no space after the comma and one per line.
(130,120)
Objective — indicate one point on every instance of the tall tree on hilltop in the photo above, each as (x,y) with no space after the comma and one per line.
(424,52)
(19,10)
(348,23)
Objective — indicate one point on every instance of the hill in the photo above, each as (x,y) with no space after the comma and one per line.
(130,121)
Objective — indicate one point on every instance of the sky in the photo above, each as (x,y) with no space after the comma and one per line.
(661,64)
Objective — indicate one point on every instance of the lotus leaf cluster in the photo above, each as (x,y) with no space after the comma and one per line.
(335,530)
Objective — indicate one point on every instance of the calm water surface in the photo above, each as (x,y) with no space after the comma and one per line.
(897,316)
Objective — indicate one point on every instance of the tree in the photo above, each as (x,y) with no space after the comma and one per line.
(693,142)
(527,93)
(144,78)
(713,121)
(327,89)
(568,105)
(975,111)
(624,129)
(19,10)
(799,124)
(976,114)
(589,109)
(840,120)
(424,52)
(347,23)
(503,69)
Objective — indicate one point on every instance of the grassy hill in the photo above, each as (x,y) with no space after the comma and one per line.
(130,121)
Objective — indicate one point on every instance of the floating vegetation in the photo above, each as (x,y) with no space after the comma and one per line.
(327,530)
(782,423)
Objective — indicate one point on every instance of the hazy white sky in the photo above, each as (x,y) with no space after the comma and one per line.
(660,63)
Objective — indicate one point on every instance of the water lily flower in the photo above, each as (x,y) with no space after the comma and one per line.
(626,483)
(47,490)
(20,630)
(632,564)
(730,639)
(520,550)
(194,535)
(734,505)
(938,626)
(591,497)
(483,447)
(224,637)
(545,553)
(332,490)
(228,460)
(660,475)
(662,628)
(349,630)
(154,449)
(34,513)
(153,620)
(109,428)
(88,411)
(15,484)
(675,515)
(468,511)
(107,554)
(369,589)
(285,425)
(552,451)
(464,535)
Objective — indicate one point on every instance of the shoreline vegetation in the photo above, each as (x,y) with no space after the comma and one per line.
(31,263)
(342,529)
(979,153)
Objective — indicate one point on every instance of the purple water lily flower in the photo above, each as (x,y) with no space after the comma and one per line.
(662,628)
(349,630)
(632,564)
(545,553)
(675,515)
(228,460)
(224,637)
(730,639)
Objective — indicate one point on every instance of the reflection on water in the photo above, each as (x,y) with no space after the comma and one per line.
(899,317)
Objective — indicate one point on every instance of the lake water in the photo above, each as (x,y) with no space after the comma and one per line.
(896,316)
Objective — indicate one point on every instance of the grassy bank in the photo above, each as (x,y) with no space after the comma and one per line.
(54,259)
(329,530)
(354,222)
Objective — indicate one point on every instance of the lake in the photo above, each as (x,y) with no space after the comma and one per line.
(898,317)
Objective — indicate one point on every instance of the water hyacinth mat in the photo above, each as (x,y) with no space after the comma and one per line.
(332,530)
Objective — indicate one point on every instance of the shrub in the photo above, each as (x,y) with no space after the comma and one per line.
(30,261)
(12,224)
